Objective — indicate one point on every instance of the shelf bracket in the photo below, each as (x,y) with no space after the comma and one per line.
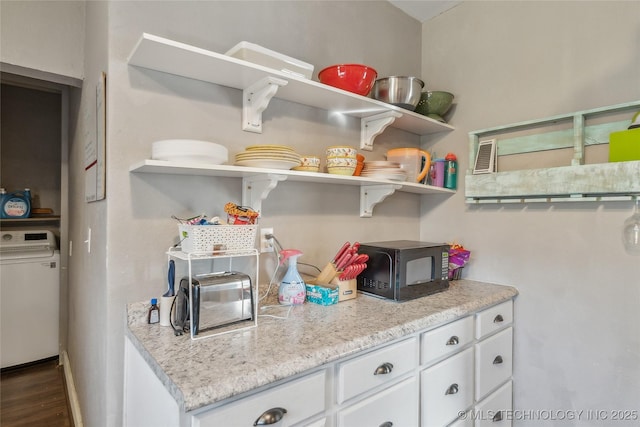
(371,195)
(255,100)
(372,126)
(256,188)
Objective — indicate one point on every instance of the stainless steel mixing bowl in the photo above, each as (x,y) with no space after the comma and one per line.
(400,91)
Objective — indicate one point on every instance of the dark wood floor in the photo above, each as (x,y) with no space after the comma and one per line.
(34,396)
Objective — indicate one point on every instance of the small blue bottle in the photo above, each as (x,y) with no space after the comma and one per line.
(292,289)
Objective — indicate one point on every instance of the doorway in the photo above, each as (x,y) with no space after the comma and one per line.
(34,130)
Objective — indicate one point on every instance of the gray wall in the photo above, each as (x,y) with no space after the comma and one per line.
(145,106)
(30,129)
(43,35)
(577,337)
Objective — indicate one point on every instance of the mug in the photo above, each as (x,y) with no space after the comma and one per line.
(414,161)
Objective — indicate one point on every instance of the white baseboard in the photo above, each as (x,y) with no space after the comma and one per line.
(71,391)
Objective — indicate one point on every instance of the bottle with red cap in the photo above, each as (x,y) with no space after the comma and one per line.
(450,171)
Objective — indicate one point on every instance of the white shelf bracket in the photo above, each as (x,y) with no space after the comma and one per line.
(371,195)
(255,99)
(372,126)
(256,188)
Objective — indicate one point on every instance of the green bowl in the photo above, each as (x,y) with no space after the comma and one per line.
(434,104)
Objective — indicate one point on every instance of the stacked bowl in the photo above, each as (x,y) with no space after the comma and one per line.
(309,164)
(341,160)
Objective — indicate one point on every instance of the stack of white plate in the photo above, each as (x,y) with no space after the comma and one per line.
(268,156)
(382,169)
(189,150)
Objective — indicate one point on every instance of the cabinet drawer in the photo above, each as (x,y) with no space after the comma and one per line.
(495,410)
(465,421)
(301,398)
(494,318)
(447,389)
(494,360)
(446,339)
(376,368)
(394,406)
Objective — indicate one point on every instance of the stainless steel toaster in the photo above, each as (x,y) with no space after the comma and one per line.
(218,300)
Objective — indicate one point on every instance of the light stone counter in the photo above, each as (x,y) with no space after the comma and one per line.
(202,372)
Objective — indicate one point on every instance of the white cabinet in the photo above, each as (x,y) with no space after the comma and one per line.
(494,411)
(446,340)
(494,366)
(376,368)
(394,406)
(493,362)
(494,319)
(427,379)
(447,389)
(289,404)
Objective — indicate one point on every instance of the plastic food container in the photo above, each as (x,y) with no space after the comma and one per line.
(268,58)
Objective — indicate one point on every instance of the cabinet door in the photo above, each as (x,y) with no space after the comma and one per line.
(493,362)
(447,389)
(494,319)
(445,340)
(496,410)
(301,399)
(465,421)
(373,369)
(395,406)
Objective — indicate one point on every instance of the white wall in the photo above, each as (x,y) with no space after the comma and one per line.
(577,339)
(43,35)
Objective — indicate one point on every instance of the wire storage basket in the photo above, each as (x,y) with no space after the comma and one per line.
(217,238)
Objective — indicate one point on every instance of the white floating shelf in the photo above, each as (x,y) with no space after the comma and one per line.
(168,56)
(267,179)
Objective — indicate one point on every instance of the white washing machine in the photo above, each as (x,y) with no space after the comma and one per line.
(30,296)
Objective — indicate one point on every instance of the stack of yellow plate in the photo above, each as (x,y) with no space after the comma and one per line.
(268,156)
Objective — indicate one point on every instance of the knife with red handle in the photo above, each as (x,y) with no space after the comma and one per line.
(341,252)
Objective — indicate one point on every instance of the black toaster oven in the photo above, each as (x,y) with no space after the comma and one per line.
(404,269)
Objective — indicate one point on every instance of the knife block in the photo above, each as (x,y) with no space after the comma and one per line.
(348,289)
(327,274)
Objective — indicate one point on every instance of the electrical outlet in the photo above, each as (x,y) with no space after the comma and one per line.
(266,245)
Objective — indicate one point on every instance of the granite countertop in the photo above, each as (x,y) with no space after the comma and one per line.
(201,372)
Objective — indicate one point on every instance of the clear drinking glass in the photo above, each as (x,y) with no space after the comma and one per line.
(631,231)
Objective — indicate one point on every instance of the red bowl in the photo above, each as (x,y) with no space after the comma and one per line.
(354,78)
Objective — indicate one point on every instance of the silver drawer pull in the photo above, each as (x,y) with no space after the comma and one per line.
(387,424)
(453,389)
(498,360)
(454,340)
(383,369)
(497,417)
(270,416)
(498,319)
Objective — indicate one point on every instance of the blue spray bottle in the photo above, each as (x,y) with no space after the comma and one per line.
(292,290)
